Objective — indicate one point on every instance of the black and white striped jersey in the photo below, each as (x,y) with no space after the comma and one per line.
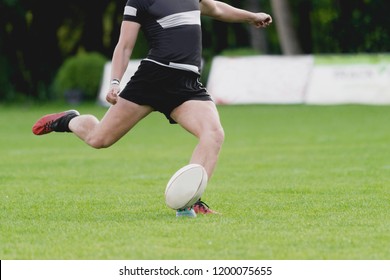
(172,29)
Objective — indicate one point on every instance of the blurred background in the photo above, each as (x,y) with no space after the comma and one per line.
(49,47)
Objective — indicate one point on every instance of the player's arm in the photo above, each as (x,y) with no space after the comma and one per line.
(121,56)
(224,12)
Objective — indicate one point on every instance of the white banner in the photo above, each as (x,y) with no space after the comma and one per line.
(290,79)
(259,79)
(355,83)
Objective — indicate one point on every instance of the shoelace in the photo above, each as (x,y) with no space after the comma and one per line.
(47,126)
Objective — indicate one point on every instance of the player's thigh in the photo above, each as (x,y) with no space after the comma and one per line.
(119,119)
(198,117)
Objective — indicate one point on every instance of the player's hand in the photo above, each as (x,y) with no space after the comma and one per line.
(261,20)
(112,95)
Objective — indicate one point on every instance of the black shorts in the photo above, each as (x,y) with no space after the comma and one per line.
(163,88)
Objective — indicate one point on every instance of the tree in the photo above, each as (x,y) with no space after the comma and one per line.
(35,42)
(362,26)
(284,25)
(258,39)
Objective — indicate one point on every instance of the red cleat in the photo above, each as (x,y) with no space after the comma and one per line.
(54,122)
(201,207)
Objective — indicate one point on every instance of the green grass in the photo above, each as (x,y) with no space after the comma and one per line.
(293,182)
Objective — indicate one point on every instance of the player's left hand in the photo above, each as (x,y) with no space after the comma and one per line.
(112,95)
(261,20)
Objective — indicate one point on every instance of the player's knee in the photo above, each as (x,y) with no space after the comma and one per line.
(97,142)
(217,136)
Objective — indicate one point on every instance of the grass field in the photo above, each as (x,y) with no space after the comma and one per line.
(293,182)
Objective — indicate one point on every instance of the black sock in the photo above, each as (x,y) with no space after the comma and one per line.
(62,124)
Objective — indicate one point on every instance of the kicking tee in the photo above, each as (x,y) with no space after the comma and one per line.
(172,29)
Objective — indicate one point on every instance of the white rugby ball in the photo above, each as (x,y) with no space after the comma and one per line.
(186,186)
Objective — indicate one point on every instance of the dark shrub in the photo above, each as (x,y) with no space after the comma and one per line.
(80,74)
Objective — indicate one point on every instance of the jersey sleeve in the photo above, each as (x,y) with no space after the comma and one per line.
(133,10)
